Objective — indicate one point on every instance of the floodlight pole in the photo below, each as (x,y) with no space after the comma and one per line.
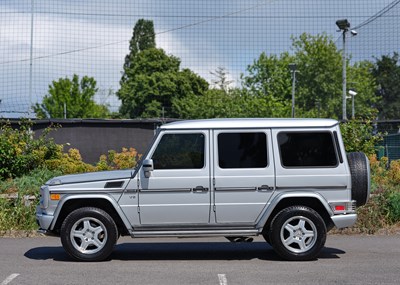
(344,77)
(293,68)
(31,60)
(344,26)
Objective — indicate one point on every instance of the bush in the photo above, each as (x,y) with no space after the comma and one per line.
(69,163)
(123,160)
(358,136)
(373,215)
(394,207)
(383,208)
(20,152)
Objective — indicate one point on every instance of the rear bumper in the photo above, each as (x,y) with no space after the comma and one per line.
(344,221)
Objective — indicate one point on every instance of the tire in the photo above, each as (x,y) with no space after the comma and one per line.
(360,184)
(266,237)
(298,233)
(89,234)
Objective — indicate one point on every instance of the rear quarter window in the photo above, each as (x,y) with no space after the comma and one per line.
(307,149)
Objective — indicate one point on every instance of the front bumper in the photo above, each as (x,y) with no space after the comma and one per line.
(344,221)
(44,221)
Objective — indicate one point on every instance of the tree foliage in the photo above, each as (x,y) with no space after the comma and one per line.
(318,78)
(143,38)
(152,80)
(77,96)
(221,81)
(236,103)
(387,75)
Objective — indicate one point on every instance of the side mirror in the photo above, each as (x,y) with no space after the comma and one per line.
(148,167)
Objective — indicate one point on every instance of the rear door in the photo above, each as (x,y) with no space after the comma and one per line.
(244,175)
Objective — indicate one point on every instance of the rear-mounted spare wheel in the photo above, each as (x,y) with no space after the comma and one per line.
(360,177)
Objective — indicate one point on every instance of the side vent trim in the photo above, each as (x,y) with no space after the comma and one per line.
(114,184)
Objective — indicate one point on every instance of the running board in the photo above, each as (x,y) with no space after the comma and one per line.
(194,233)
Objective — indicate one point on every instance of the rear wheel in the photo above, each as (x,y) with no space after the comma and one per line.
(298,233)
(89,234)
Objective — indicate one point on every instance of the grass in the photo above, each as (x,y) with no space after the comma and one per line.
(14,213)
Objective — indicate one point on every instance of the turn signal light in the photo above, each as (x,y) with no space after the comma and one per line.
(55,197)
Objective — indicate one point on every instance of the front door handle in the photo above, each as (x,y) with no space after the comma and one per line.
(265,188)
(199,189)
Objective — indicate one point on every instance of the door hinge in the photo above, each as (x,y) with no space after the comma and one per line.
(214,208)
(138,209)
(214,182)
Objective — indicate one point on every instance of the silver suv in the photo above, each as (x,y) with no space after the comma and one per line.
(288,180)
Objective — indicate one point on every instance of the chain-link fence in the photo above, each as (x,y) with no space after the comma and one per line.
(44,40)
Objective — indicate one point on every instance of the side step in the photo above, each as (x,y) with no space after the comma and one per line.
(194,233)
(239,239)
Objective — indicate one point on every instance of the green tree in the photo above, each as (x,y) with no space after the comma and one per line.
(318,80)
(222,82)
(143,38)
(77,97)
(386,71)
(269,77)
(363,82)
(320,75)
(153,80)
(236,103)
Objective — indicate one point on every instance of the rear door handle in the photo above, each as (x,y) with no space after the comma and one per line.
(199,189)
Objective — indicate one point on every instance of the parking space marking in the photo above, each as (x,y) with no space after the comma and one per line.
(9,279)
(222,279)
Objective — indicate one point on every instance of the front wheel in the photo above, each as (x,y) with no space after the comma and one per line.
(89,234)
(298,233)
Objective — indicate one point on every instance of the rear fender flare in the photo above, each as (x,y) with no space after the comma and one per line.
(291,195)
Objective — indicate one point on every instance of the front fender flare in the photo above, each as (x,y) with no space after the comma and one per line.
(107,197)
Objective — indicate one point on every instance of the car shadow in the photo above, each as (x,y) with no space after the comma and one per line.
(181,251)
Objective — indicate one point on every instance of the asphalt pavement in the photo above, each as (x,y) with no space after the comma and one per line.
(351,259)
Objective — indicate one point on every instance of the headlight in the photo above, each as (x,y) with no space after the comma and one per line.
(44,197)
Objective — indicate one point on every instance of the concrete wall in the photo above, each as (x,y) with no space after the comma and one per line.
(96,137)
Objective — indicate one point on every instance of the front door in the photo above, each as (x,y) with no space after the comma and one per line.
(177,192)
(244,174)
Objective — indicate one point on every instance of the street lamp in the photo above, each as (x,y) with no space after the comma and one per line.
(344,26)
(352,94)
(293,67)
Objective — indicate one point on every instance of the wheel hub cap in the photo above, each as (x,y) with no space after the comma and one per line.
(298,234)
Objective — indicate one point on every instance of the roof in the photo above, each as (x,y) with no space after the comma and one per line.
(250,123)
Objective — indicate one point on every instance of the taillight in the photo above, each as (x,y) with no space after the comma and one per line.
(343,207)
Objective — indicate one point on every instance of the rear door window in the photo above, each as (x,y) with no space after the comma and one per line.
(242,150)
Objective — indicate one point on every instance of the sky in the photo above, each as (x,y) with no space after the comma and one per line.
(92,38)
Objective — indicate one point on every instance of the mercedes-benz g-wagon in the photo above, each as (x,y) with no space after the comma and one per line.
(289,180)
